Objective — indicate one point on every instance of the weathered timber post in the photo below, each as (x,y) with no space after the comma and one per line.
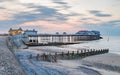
(50,57)
(104,50)
(68,55)
(62,55)
(77,52)
(37,57)
(73,54)
(44,56)
(30,56)
(94,52)
(88,52)
(98,51)
(81,54)
(101,51)
(55,57)
(84,52)
(107,50)
(77,55)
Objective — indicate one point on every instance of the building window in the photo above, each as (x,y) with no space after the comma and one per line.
(34,41)
(30,40)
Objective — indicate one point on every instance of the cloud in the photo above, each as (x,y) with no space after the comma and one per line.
(30,12)
(62,4)
(9,9)
(42,13)
(69,14)
(106,28)
(89,18)
(46,11)
(114,21)
(99,13)
(58,2)
(94,11)
(103,15)
(48,26)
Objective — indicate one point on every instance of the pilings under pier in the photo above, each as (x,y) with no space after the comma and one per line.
(69,55)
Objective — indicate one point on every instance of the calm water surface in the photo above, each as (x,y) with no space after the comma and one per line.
(111,42)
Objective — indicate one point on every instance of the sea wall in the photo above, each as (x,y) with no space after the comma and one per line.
(8,62)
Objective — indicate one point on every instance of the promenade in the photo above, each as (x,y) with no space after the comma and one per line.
(8,63)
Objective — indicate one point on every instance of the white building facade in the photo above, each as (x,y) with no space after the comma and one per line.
(62,38)
(46,39)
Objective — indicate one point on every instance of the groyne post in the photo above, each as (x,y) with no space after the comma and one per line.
(62,55)
(77,55)
(81,53)
(88,52)
(72,54)
(30,57)
(68,55)
(37,57)
(44,56)
(55,57)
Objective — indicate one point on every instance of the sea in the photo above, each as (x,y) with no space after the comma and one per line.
(108,42)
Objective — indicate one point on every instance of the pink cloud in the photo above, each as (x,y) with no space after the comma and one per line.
(3,18)
(4,15)
(53,27)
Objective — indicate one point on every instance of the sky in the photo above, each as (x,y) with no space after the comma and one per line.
(51,16)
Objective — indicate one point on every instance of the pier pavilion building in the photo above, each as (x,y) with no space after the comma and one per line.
(33,38)
(51,38)
(63,38)
(15,31)
(30,32)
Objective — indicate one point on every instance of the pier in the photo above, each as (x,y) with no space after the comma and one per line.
(53,57)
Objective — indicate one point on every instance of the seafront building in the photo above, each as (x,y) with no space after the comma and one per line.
(35,39)
(63,38)
(30,32)
(15,31)
(51,38)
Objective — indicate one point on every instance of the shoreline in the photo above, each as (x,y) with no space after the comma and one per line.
(108,61)
(69,65)
(66,67)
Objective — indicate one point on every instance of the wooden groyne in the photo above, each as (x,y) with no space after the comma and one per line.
(69,55)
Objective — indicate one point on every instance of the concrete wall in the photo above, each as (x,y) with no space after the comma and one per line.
(8,63)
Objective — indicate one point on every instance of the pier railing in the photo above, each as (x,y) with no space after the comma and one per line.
(68,55)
